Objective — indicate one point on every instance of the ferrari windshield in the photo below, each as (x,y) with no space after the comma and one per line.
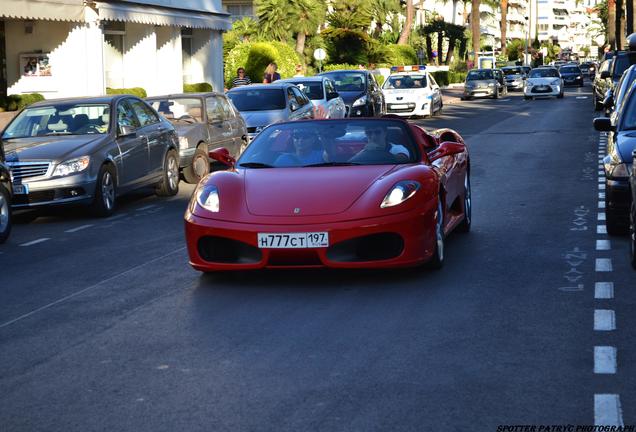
(60,119)
(331,143)
(544,73)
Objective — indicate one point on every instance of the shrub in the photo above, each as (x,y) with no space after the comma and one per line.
(442,77)
(400,55)
(456,77)
(135,91)
(201,87)
(18,101)
(338,66)
(255,57)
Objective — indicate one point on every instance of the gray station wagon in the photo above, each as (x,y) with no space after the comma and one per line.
(204,122)
(88,151)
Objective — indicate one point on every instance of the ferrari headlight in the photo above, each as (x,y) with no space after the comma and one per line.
(72,166)
(208,198)
(360,101)
(399,193)
(183,143)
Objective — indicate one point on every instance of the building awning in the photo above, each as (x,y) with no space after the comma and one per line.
(56,10)
(162,16)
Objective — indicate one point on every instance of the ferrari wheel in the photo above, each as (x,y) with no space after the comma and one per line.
(464,226)
(437,260)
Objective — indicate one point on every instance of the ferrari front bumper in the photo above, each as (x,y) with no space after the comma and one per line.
(398,240)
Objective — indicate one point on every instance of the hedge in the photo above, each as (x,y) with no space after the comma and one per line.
(201,87)
(400,55)
(135,91)
(16,102)
(255,57)
(445,78)
(339,66)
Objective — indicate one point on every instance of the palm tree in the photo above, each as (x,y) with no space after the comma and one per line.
(273,19)
(381,10)
(305,16)
(475,29)
(406,30)
(246,27)
(504,24)
(611,23)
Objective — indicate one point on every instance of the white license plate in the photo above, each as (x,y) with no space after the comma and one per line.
(20,189)
(399,106)
(293,240)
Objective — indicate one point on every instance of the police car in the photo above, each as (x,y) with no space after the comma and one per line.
(412,91)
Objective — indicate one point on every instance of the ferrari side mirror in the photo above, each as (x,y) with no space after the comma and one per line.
(446,148)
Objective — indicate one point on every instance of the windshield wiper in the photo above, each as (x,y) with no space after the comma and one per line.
(255,165)
(324,164)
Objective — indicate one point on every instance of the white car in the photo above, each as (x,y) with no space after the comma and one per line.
(412,91)
(323,95)
(543,81)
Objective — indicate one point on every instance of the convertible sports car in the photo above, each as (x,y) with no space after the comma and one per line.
(341,193)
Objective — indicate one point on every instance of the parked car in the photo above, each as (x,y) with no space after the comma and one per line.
(483,82)
(601,84)
(526,70)
(515,77)
(6,191)
(571,74)
(203,121)
(586,68)
(615,97)
(322,93)
(263,104)
(632,214)
(312,193)
(75,151)
(360,92)
(619,64)
(618,162)
(412,91)
(543,81)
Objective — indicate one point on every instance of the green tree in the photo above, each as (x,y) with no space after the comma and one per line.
(273,19)
(347,35)
(406,30)
(383,11)
(304,18)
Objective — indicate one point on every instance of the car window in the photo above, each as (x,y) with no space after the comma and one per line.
(628,116)
(512,71)
(355,142)
(249,99)
(475,75)
(179,108)
(570,69)
(300,96)
(214,109)
(313,89)
(144,113)
(544,73)
(228,112)
(329,86)
(126,115)
(405,82)
(348,81)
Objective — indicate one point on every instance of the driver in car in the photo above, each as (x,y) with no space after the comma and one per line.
(379,148)
(307,151)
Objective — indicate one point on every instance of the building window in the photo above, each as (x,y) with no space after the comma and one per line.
(186,54)
(241,10)
(114,39)
(543,27)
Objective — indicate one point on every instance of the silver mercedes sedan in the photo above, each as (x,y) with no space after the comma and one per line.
(89,151)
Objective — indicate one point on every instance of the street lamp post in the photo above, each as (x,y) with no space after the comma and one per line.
(525,51)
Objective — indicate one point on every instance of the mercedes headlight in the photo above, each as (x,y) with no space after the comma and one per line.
(360,101)
(399,193)
(208,198)
(72,166)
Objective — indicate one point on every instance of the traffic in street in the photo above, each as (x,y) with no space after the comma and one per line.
(105,325)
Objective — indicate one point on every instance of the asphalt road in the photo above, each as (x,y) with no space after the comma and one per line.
(105,327)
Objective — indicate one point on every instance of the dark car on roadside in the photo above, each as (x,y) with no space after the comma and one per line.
(360,92)
(617,163)
(204,122)
(632,214)
(571,74)
(614,97)
(89,151)
(601,84)
(6,191)
(620,62)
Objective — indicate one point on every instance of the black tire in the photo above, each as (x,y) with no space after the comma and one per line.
(437,260)
(5,214)
(199,168)
(632,236)
(527,97)
(496,95)
(560,95)
(464,226)
(616,223)
(169,184)
(104,201)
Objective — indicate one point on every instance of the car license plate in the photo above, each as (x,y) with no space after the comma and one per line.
(20,189)
(399,106)
(293,240)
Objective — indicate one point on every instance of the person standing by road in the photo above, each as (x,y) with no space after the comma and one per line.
(241,79)
(270,74)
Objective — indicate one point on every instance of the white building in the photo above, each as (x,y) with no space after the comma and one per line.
(566,23)
(65,48)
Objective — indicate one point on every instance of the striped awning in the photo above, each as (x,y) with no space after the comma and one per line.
(56,10)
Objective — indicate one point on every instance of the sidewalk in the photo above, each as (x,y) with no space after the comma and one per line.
(452,95)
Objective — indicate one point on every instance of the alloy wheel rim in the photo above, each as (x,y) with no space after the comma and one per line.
(199,166)
(173,172)
(4,213)
(108,190)
(467,200)
(439,232)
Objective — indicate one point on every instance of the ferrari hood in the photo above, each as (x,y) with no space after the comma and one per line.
(308,191)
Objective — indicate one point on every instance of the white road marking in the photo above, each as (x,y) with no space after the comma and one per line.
(75,294)
(603,245)
(607,410)
(601,165)
(146,207)
(581,97)
(79,228)
(601,195)
(601,229)
(603,265)
(601,173)
(604,360)
(601,186)
(601,180)
(604,290)
(34,242)
(604,320)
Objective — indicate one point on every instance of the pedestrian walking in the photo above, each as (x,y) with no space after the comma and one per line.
(299,71)
(241,79)
(270,74)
